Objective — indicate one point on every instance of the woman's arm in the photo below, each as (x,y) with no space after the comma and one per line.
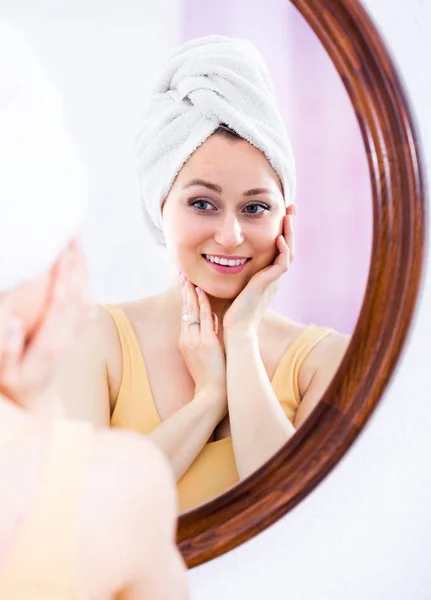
(258,423)
(183,435)
(318,371)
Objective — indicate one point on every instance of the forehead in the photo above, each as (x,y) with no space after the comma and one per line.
(232,162)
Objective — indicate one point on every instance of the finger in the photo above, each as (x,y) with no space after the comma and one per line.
(283,259)
(51,333)
(206,315)
(5,314)
(215,319)
(193,310)
(273,272)
(12,349)
(183,303)
(191,301)
(291,210)
(289,235)
(78,306)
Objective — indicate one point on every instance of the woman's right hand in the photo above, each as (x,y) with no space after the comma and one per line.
(27,366)
(200,347)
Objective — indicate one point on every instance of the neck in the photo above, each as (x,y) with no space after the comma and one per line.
(219,307)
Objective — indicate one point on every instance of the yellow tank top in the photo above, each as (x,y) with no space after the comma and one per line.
(214,470)
(42,562)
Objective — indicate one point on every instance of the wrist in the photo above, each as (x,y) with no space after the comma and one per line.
(215,392)
(242,334)
(214,398)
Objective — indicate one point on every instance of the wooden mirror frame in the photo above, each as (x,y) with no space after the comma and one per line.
(359,54)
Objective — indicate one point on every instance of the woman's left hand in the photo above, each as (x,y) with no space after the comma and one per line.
(246,311)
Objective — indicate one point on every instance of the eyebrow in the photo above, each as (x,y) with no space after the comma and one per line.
(257,191)
(216,188)
(203,183)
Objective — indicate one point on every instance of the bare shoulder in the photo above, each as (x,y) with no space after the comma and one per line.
(128,496)
(328,351)
(98,335)
(140,312)
(323,360)
(104,333)
(89,375)
(281,331)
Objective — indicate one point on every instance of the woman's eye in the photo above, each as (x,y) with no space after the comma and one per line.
(256,209)
(202,205)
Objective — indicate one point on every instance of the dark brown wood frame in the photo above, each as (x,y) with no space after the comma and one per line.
(399,207)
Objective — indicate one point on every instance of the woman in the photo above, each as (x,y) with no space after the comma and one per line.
(67,490)
(216,379)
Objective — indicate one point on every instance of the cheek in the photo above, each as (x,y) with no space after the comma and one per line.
(265,245)
(265,237)
(185,230)
(183,242)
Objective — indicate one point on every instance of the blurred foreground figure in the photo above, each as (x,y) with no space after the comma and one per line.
(83,513)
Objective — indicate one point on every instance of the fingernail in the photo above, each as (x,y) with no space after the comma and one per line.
(182,277)
(198,291)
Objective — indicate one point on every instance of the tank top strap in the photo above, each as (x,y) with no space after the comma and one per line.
(46,548)
(287,372)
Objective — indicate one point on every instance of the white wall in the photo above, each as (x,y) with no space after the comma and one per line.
(365,532)
(104,56)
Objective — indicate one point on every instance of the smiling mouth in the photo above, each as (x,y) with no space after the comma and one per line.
(225,262)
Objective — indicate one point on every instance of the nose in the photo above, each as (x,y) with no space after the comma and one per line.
(229,233)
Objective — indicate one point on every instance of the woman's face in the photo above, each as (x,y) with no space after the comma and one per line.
(226,205)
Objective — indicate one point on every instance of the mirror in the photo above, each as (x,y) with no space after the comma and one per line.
(344,151)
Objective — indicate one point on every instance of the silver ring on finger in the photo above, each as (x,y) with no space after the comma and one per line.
(194,322)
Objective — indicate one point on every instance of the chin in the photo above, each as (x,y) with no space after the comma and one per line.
(223,292)
(225,287)
(222,295)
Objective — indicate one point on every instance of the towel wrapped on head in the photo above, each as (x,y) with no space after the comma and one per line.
(43,184)
(206,83)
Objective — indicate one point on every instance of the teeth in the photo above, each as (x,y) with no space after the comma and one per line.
(231,262)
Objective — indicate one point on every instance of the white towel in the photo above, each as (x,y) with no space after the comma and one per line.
(43,184)
(208,82)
